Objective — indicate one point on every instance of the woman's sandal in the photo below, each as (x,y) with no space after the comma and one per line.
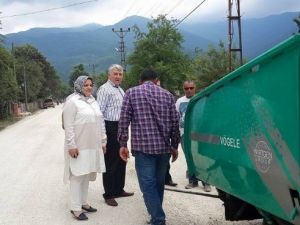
(90,209)
(81,216)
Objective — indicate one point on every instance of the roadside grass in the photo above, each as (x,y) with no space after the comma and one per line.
(8,121)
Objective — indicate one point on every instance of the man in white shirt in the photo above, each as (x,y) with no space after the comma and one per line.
(189,88)
(110,98)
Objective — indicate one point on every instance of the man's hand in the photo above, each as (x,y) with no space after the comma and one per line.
(73,152)
(124,153)
(174,154)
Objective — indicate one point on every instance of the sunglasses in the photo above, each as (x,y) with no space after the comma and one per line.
(189,88)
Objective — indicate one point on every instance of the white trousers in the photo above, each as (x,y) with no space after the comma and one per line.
(79,186)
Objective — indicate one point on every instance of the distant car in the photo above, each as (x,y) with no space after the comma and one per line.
(48,103)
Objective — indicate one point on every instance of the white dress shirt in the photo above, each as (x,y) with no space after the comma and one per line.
(110,99)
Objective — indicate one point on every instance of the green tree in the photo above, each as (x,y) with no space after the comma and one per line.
(160,49)
(52,81)
(78,70)
(9,87)
(28,67)
(99,80)
(33,60)
(211,65)
(33,74)
(63,91)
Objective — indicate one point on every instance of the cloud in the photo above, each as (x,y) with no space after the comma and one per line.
(108,12)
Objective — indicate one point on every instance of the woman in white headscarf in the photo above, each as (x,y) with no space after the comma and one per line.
(85,144)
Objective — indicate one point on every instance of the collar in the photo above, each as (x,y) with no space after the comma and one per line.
(86,99)
(112,84)
(149,82)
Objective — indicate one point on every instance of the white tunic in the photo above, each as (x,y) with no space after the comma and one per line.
(85,130)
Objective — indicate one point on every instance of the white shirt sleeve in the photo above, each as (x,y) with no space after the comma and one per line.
(103,130)
(102,99)
(69,113)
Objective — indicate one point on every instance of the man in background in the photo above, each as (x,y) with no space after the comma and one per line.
(189,89)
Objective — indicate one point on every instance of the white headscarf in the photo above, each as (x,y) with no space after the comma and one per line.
(79,83)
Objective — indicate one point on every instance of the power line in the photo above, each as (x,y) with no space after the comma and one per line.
(133,3)
(174,7)
(47,10)
(163,8)
(190,13)
(152,9)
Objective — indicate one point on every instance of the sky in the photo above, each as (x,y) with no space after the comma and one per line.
(72,13)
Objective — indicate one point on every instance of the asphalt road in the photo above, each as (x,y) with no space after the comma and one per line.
(32,190)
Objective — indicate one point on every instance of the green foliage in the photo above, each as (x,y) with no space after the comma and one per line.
(9,87)
(29,74)
(99,80)
(159,49)
(63,91)
(42,79)
(52,81)
(130,79)
(2,37)
(211,65)
(26,66)
(78,70)
(297,21)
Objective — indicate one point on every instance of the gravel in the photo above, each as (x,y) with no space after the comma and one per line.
(32,190)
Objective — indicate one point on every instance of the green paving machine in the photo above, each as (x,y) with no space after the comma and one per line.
(242,135)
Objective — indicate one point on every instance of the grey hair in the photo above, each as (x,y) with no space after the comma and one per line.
(115,67)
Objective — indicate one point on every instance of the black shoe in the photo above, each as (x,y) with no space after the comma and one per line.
(171,183)
(124,194)
(81,216)
(90,209)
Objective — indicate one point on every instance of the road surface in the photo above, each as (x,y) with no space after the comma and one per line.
(32,190)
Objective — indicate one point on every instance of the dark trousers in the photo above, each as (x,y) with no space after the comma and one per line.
(168,177)
(114,177)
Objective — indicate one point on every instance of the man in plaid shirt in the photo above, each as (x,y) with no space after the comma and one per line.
(155,136)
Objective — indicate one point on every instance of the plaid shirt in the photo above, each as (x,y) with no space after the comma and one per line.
(154,120)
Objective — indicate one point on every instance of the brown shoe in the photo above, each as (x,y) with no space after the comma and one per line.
(111,202)
(124,194)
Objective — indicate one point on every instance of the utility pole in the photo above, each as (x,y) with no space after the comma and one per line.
(234,20)
(25,88)
(121,33)
(13,53)
(93,68)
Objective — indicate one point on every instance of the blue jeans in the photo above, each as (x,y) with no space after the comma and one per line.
(151,170)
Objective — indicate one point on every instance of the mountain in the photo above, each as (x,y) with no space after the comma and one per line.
(258,35)
(94,45)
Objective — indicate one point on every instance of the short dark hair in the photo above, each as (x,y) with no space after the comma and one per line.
(189,82)
(148,74)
